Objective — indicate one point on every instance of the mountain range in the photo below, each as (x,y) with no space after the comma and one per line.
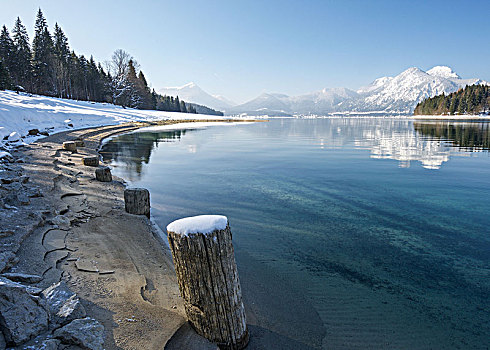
(192,93)
(386,95)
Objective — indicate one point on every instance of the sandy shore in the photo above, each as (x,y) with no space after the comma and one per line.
(77,230)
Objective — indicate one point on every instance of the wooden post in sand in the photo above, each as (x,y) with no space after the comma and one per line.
(103,174)
(70,146)
(137,201)
(80,143)
(90,160)
(204,261)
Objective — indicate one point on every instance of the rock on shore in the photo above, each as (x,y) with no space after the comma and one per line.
(28,312)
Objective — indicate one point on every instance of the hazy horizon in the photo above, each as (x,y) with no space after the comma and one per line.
(240,50)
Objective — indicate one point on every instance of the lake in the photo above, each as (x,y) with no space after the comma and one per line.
(348,232)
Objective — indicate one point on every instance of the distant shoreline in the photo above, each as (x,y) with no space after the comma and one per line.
(451,117)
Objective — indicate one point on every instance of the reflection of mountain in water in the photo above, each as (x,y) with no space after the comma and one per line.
(430,143)
(133,150)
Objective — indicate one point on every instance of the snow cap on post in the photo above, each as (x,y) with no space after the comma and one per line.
(204,224)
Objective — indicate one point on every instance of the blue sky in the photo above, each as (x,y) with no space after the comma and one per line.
(240,49)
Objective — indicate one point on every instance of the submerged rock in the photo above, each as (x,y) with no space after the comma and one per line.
(87,333)
(64,305)
(23,315)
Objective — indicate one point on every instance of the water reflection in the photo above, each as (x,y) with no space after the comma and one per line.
(470,137)
(429,143)
(134,149)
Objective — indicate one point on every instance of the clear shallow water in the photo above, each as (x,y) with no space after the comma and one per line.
(349,233)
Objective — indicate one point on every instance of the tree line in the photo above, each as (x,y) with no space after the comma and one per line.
(473,100)
(49,67)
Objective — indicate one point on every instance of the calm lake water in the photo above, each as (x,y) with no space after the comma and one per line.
(349,233)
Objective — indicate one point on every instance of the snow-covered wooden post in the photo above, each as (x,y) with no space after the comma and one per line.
(137,201)
(206,270)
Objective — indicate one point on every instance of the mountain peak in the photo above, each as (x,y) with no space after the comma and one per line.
(443,72)
(190,85)
(191,92)
(411,70)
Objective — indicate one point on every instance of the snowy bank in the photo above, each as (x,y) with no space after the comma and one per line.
(22,112)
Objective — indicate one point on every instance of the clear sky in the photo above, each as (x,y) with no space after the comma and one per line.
(240,49)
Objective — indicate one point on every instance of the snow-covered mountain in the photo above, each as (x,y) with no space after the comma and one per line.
(279,104)
(399,94)
(194,94)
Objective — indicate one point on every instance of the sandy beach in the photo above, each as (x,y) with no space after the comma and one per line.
(76,230)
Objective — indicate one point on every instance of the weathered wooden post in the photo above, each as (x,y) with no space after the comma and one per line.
(103,174)
(137,201)
(70,146)
(206,270)
(80,143)
(90,160)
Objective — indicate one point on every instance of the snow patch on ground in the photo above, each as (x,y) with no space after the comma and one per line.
(21,112)
(198,224)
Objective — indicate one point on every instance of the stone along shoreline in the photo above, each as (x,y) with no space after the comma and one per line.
(70,249)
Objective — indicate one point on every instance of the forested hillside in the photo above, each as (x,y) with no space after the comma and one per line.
(49,67)
(473,100)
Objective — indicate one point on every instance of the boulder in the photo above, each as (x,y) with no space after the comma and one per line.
(90,160)
(33,132)
(86,333)
(3,344)
(70,146)
(48,344)
(23,315)
(103,174)
(22,277)
(7,258)
(63,304)
(13,136)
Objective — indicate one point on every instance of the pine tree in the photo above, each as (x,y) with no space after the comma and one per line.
(183,109)
(144,91)
(7,50)
(4,77)
(42,58)
(62,58)
(22,72)
(133,94)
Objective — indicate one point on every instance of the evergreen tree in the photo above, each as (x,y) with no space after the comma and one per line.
(4,77)
(133,98)
(7,50)
(153,99)
(62,58)
(22,72)
(42,58)
(473,99)
(144,91)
